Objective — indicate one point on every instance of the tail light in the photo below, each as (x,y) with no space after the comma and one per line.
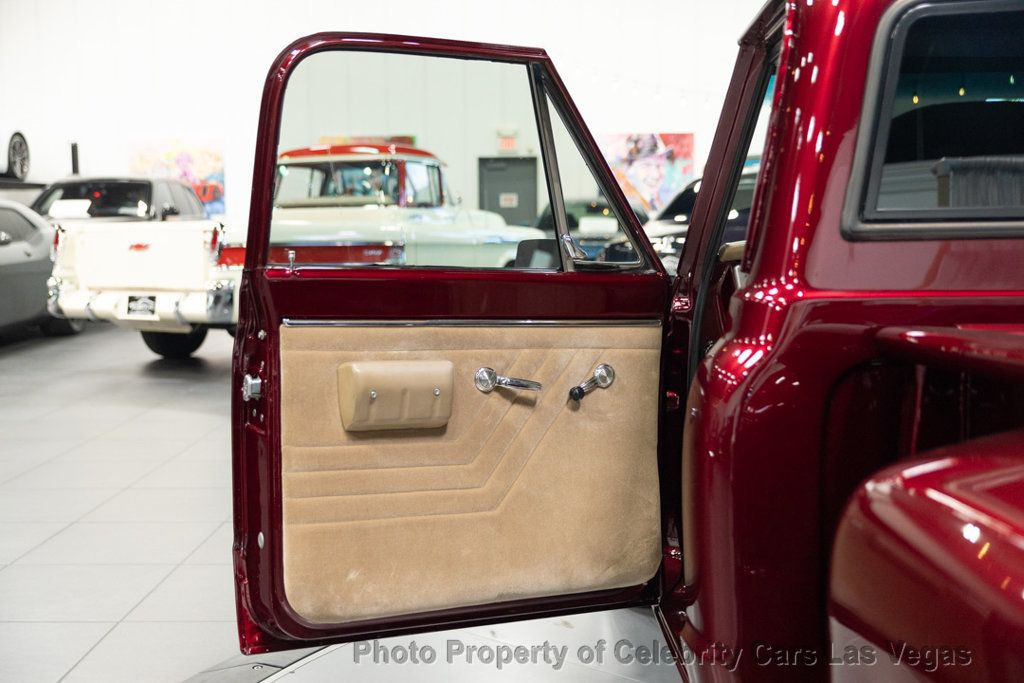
(380,253)
(377,253)
(231,255)
(58,234)
(216,243)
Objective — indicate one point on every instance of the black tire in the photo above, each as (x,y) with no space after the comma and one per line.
(61,327)
(17,157)
(172,345)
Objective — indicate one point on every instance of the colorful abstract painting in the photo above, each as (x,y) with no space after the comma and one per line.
(201,166)
(651,167)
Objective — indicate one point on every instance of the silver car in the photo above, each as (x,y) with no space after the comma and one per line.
(26,243)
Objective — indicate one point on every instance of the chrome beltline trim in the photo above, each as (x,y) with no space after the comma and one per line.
(291,322)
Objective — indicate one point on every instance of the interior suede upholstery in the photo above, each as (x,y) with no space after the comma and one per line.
(522,494)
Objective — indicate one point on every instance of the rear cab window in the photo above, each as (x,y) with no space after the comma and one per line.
(945,152)
(100,198)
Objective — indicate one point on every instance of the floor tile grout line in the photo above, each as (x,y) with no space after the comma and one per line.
(93,647)
(39,464)
(203,542)
(72,522)
(139,602)
(91,510)
(54,457)
(87,441)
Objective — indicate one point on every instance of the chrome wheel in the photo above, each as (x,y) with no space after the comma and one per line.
(17,157)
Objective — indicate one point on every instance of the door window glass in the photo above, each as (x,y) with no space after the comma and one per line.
(370,144)
(590,218)
(951,136)
(15,225)
(195,206)
(379,163)
(419,190)
(161,197)
(181,200)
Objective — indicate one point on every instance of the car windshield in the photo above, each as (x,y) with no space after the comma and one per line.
(575,209)
(680,209)
(107,198)
(336,183)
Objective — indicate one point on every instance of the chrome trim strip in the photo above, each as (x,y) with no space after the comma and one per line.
(291,322)
(89,313)
(341,243)
(177,313)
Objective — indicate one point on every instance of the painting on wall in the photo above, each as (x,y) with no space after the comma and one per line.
(199,165)
(651,167)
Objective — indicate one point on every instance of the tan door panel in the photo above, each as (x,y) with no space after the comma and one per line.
(521,494)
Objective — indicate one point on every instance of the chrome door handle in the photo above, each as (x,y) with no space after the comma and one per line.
(603,377)
(486,379)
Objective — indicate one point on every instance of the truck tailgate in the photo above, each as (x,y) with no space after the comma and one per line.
(169,255)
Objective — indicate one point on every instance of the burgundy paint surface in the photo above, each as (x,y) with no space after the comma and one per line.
(931,553)
(757,551)
(999,353)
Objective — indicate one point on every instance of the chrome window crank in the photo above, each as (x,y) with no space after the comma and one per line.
(486,379)
(604,375)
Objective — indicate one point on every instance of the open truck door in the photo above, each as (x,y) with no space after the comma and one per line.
(421,444)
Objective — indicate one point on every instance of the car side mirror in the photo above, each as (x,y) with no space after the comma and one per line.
(5,238)
(542,253)
(168,210)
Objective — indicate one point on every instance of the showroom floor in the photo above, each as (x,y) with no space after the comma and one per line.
(115,504)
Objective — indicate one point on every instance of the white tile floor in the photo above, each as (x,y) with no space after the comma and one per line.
(115,531)
(115,506)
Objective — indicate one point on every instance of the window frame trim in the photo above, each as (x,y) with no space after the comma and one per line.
(860,223)
(547,91)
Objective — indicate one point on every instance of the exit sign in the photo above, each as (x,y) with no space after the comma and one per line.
(507,141)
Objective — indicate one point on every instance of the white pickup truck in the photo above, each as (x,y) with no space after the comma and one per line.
(142,254)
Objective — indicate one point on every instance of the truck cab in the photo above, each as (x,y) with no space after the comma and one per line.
(385,204)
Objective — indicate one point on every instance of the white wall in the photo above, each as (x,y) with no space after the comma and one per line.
(110,74)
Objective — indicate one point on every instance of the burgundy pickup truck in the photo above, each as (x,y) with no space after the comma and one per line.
(804,449)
